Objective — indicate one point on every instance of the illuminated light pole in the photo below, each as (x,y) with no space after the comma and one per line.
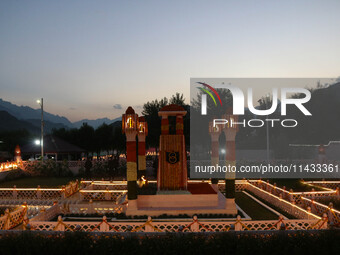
(41,103)
(129,128)
(230,132)
(142,133)
(215,133)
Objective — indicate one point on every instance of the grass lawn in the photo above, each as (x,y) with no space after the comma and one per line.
(33,182)
(327,200)
(253,209)
(294,184)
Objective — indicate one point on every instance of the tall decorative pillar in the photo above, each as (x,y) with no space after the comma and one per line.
(215,133)
(172,163)
(230,132)
(129,127)
(142,133)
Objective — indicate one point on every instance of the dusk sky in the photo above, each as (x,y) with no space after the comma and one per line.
(88,58)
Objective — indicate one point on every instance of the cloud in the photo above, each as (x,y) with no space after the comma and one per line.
(117,106)
(139,106)
(72,108)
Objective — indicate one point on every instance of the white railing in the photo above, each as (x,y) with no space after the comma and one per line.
(178,225)
(46,215)
(281,203)
(329,185)
(321,209)
(12,219)
(93,208)
(108,195)
(39,194)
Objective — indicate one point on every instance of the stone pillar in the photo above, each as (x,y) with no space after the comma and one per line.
(230,132)
(215,155)
(131,165)
(230,160)
(179,125)
(165,125)
(141,156)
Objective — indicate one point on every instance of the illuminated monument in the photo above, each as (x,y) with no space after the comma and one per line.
(172,171)
(175,195)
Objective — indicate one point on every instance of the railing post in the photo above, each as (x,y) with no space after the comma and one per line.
(25,222)
(148,227)
(238,225)
(309,210)
(43,213)
(280,223)
(91,207)
(63,190)
(107,194)
(7,224)
(104,227)
(195,226)
(60,226)
(324,222)
(38,192)
(291,196)
(15,192)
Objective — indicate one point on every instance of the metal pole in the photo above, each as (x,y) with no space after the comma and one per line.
(267,141)
(42,129)
(267,99)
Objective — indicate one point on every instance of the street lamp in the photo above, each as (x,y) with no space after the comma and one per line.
(41,103)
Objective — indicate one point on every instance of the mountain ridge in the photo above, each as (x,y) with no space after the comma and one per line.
(33,116)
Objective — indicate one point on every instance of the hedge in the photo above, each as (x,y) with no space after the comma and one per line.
(276,242)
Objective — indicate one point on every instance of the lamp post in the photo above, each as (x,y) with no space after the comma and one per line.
(130,128)
(41,103)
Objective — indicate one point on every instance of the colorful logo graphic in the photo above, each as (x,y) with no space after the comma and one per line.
(209,93)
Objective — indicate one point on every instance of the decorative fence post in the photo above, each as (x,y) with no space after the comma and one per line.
(63,191)
(38,192)
(107,194)
(15,192)
(195,227)
(238,225)
(309,210)
(104,227)
(7,224)
(60,225)
(91,209)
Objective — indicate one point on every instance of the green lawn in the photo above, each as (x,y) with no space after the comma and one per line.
(253,209)
(294,184)
(33,182)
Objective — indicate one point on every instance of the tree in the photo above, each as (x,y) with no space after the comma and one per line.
(150,111)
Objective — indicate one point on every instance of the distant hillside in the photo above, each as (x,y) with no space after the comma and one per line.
(48,125)
(95,123)
(26,113)
(9,122)
(51,120)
